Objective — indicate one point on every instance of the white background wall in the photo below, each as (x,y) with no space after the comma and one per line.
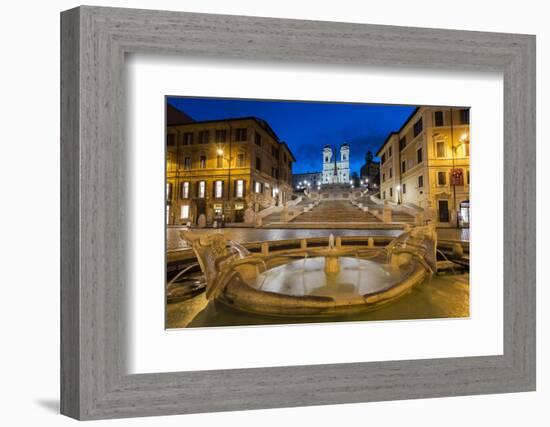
(29,233)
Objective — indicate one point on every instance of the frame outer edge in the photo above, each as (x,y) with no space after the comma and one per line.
(70,387)
(87,347)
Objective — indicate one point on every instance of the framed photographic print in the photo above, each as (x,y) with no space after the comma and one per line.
(282,213)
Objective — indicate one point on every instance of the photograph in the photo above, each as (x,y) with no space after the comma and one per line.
(287,212)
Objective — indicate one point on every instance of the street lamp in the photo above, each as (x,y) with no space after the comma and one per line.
(220,153)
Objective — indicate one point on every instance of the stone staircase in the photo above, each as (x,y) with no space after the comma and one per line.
(336,211)
(398,216)
(277,216)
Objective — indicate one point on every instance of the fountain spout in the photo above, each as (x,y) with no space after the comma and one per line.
(331,244)
(332,264)
(215,255)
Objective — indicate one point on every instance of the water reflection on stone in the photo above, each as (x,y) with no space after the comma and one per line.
(438,297)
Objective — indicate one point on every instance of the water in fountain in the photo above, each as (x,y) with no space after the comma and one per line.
(308,277)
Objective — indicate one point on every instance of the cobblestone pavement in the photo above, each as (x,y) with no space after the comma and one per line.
(258,235)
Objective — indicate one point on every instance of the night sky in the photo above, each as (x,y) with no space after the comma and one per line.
(307,126)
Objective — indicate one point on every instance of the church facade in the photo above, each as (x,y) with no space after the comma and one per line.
(336,165)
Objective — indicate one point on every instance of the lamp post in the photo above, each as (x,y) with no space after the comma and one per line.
(398,190)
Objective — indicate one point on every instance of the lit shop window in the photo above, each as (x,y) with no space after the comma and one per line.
(185,190)
(218,189)
(185,212)
(239,189)
(258,187)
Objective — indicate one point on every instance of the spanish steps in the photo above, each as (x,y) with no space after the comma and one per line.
(336,211)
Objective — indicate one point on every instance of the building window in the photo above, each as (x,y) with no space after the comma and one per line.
(204,136)
(440,149)
(404,188)
(420,181)
(419,155)
(383,158)
(187,138)
(170,139)
(383,195)
(219,161)
(438,116)
(257,187)
(275,152)
(257,139)
(383,177)
(465,116)
(187,163)
(274,173)
(184,190)
(218,189)
(184,211)
(258,163)
(168,191)
(274,192)
(402,143)
(239,188)
(221,135)
(390,151)
(203,162)
(201,193)
(240,160)
(417,128)
(403,166)
(468,177)
(441,178)
(391,192)
(240,134)
(391,172)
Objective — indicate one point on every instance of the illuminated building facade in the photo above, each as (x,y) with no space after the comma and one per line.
(426,164)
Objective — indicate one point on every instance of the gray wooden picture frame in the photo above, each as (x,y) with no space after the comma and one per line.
(94,41)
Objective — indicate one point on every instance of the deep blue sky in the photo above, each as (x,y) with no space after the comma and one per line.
(307,126)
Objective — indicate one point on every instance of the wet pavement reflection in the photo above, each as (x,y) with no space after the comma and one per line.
(438,297)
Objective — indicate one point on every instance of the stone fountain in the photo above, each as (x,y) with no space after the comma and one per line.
(321,281)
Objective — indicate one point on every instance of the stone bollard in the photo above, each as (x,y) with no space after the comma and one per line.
(338,242)
(303,244)
(370,241)
(458,250)
(419,218)
(284,214)
(265,248)
(386,214)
